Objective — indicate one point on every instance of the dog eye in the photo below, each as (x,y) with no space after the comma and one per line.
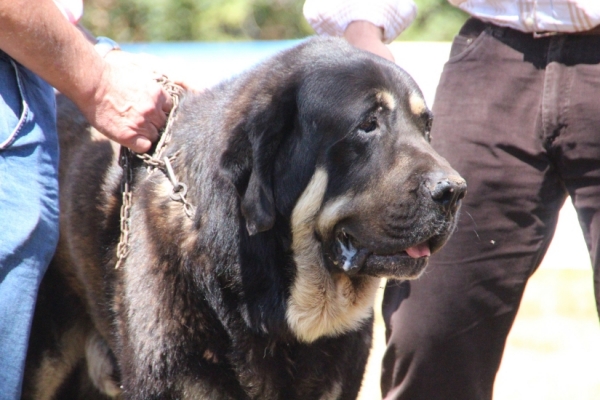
(369,125)
(428,136)
(428,124)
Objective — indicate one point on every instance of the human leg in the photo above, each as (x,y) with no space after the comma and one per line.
(575,134)
(446,331)
(28,209)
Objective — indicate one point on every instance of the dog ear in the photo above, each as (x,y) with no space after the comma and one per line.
(257,205)
(250,158)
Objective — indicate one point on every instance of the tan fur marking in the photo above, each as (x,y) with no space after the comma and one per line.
(334,393)
(100,367)
(322,304)
(175,219)
(192,390)
(110,180)
(53,371)
(387,99)
(96,136)
(417,104)
(210,356)
(331,214)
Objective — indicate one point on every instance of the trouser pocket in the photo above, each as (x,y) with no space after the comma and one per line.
(467,40)
(13,107)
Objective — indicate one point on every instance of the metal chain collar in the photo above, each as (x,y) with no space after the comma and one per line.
(153,162)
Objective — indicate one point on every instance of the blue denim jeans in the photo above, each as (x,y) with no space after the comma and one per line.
(28,209)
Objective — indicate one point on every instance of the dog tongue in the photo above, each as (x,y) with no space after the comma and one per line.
(418,251)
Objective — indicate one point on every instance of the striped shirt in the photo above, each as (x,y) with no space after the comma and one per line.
(331,17)
(536,15)
(71,9)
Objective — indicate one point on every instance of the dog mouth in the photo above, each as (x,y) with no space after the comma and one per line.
(402,262)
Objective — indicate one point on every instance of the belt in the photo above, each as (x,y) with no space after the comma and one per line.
(594,31)
(473,27)
(569,48)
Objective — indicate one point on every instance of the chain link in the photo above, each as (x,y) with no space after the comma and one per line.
(153,162)
(125,163)
(179,188)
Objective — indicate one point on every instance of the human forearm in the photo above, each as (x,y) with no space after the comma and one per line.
(37,35)
(368,25)
(118,97)
(367,36)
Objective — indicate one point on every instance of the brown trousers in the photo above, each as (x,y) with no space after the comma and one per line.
(519,118)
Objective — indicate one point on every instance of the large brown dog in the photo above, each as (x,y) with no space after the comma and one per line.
(311,177)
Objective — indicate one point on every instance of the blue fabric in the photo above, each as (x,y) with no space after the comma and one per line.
(28,209)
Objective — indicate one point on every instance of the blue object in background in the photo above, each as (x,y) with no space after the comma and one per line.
(204,63)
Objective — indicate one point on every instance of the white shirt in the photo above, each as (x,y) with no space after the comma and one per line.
(331,17)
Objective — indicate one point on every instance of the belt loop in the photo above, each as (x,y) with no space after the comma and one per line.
(495,30)
(473,27)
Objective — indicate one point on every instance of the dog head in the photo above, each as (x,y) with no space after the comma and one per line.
(339,143)
(332,162)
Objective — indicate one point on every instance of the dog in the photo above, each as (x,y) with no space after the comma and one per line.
(310,178)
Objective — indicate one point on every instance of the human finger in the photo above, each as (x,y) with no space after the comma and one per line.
(167,104)
(139,144)
(156,117)
(140,138)
(142,142)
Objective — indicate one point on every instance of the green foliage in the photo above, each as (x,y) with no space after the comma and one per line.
(221,20)
(196,20)
(436,20)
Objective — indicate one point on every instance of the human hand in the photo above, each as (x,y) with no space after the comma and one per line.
(366,36)
(128,106)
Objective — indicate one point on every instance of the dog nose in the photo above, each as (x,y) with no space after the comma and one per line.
(447,191)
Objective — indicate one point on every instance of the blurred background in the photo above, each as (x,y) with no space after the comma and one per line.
(553,351)
(237,20)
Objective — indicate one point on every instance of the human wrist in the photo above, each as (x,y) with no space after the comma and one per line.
(89,89)
(105,45)
(368,36)
(357,31)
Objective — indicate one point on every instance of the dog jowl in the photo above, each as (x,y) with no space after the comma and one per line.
(311,177)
